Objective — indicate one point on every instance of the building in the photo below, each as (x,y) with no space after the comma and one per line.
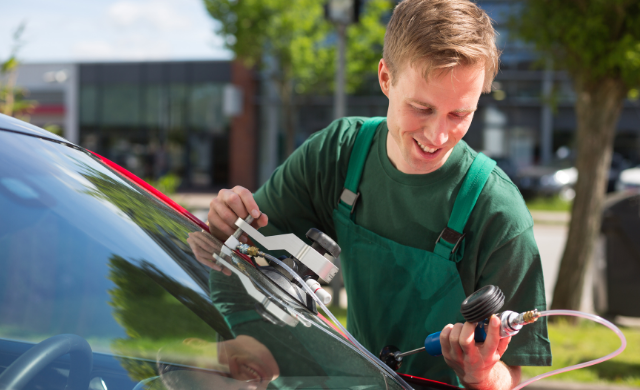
(193,119)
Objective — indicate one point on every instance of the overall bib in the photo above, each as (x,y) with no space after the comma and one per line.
(398,294)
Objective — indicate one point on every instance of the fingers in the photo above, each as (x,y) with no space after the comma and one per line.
(230,205)
(493,335)
(444,338)
(453,350)
(466,338)
(249,204)
(203,252)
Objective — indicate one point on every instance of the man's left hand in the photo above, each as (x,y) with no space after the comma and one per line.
(478,365)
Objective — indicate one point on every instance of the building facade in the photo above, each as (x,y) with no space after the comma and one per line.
(192,119)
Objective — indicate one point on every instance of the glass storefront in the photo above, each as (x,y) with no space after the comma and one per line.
(159,119)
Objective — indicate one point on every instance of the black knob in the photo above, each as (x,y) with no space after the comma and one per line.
(482,304)
(323,243)
(387,355)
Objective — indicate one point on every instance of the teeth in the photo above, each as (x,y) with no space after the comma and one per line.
(425,148)
(252,371)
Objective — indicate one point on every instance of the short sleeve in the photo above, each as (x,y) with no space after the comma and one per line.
(516,268)
(303,191)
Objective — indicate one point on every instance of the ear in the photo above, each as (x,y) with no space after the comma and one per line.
(384,77)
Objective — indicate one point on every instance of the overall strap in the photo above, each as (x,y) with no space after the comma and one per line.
(474,181)
(359,153)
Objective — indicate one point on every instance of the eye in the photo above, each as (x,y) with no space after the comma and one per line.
(460,115)
(422,110)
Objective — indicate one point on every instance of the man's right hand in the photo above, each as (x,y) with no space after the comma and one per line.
(230,205)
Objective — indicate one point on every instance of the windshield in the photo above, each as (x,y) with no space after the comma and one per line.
(84,251)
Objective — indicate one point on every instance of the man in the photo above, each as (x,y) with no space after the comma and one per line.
(422,219)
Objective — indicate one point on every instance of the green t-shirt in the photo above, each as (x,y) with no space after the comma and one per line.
(412,210)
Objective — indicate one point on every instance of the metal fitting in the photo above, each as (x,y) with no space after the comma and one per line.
(248,250)
(530,316)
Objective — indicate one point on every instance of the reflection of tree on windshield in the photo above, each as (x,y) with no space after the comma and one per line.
(133,203)
(151,316)
(154,310)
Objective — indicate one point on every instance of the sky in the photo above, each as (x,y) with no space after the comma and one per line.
(110,30)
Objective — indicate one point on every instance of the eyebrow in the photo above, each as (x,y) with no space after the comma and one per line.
(459,110)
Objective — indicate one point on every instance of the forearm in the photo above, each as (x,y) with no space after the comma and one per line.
(502,377)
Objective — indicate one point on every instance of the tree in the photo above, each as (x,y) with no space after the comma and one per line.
(12,98)
(598,43)
(297,38)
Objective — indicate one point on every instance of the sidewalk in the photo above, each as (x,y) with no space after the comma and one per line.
(551,217)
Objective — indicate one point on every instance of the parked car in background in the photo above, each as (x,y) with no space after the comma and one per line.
(629,179)
(557,178)
(106,284)
(560,176)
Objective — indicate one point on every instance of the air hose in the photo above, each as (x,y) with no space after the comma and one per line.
(353,340)
(469,309)
(600,320)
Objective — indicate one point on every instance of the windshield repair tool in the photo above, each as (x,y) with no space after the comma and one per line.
(478,308)
(309,262)
(302,254)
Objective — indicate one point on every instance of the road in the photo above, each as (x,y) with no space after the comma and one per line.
(551,239)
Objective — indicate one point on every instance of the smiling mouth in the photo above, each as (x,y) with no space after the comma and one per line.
(251,373)
(426,149)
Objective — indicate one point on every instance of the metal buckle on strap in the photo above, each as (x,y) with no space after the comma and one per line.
(451,236)
(349,198)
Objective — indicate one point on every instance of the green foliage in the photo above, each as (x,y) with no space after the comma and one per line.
(299,38)
(592,39)
(548,203)
(167,184)
(13,99)
(55,129)
(155,321)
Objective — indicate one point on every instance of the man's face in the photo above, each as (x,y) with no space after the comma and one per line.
(426,119)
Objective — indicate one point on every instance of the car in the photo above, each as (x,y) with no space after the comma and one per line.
(105,283)
(629,180)
(556,178)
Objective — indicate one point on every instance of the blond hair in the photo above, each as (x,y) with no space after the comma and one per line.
(439,35)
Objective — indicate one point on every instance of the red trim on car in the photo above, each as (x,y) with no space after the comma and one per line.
(168,201)
(426,382)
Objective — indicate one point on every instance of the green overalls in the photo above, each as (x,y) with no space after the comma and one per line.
(398,294)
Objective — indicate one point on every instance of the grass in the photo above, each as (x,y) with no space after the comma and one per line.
(587,341)
(548,203)
(577,344)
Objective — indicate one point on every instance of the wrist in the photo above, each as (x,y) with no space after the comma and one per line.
(500,377)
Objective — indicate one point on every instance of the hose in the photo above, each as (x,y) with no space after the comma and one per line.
(600,320)
(355,342)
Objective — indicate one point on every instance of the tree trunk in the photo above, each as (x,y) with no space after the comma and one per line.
(598,107)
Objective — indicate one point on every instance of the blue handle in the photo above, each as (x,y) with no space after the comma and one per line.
(432,342)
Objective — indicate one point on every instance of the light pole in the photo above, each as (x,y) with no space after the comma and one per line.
(342,13)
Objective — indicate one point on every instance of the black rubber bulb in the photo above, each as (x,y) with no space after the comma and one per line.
(475,308)
(482,304)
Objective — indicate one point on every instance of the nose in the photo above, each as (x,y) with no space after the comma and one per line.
(438,132)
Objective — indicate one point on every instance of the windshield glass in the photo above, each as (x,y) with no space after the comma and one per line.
(83,251)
